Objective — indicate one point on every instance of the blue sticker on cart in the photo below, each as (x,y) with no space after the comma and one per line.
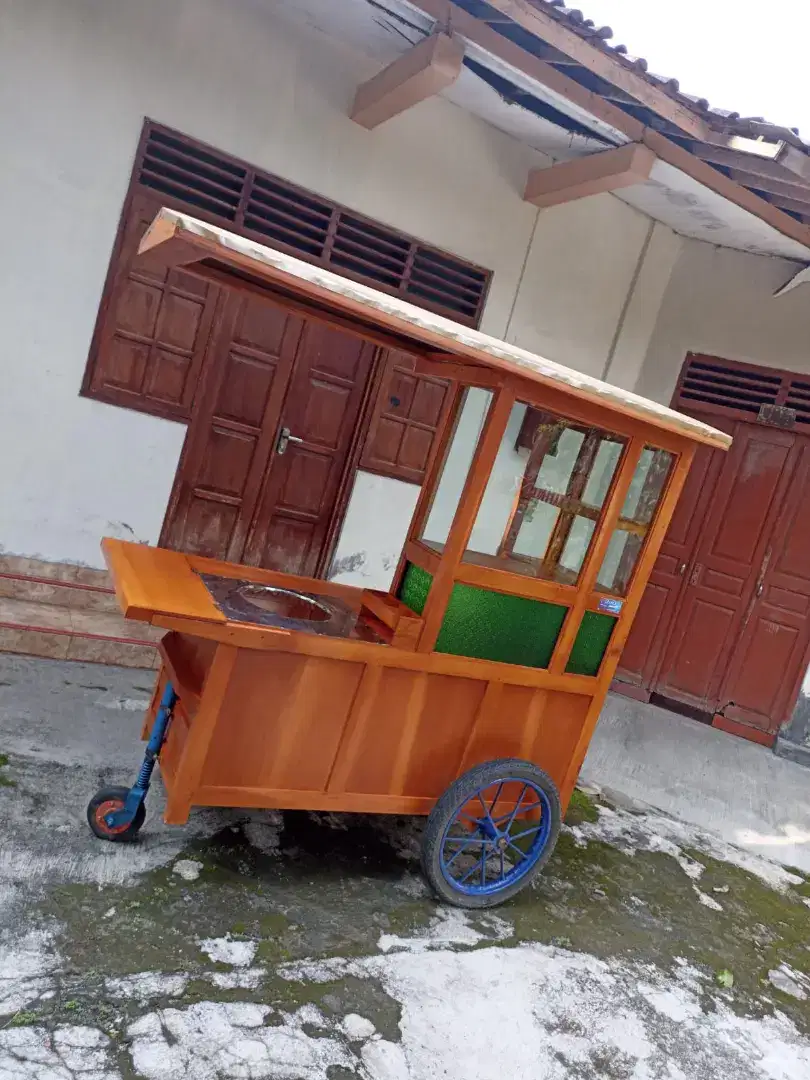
(607,603)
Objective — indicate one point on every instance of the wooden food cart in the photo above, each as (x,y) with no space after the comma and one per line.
(470,691)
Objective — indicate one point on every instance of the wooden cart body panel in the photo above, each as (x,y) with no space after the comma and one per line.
(331,734)
(278,719)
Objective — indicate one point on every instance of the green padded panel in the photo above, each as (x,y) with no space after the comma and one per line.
(413,592)
(495,626)
(590,644)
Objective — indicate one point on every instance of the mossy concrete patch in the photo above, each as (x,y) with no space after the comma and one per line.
(5,779)
(331,892)
(581,808)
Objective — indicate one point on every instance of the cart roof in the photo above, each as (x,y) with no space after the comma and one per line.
(196,240)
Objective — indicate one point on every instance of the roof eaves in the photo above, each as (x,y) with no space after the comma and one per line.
(723,121)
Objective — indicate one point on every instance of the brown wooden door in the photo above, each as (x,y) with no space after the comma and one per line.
(720,581)
(648,637)
(769,658)
(235,497)
(232,434)
(320,411)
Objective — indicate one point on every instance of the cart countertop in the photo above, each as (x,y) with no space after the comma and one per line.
(155,584)
(180,239)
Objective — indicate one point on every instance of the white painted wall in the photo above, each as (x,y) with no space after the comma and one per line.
(578,274)
(77,78)
(374,531)
(636,326)
(457,464)
(721,303)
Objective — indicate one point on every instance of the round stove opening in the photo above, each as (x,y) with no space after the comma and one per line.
(284,603)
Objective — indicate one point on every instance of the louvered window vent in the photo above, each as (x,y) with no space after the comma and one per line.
(798,399)
(273,211)
(742,390)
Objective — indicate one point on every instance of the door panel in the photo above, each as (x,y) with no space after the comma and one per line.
(151,347)
(651,627)
(731,546)
(702,632)
(769,659)
(410,413)
(232,434)
(321,411)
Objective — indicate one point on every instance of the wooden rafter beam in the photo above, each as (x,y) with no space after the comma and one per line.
(591,175)
(421,73)
(600,63)
(481,34)
(747,163)
(794,193)
(795,161)
(718,182)
(587,103)
(800,208)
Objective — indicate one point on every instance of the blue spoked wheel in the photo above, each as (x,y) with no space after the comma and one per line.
(491,833)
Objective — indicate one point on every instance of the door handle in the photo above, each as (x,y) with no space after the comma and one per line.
(682,569)
(695,578)
(284,439)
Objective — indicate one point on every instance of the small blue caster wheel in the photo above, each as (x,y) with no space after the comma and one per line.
(107,801)
(491,833)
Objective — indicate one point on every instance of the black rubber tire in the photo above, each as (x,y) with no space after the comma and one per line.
(114,795)
(446,809)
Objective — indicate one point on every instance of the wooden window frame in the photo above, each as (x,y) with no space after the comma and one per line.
(570,503)
(116,269)
(776,386)
(637,435)
(397,469)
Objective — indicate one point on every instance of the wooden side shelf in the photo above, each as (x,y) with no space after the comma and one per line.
(399,618)
(185,663)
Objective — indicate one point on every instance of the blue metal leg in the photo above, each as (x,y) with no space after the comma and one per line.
(137,793)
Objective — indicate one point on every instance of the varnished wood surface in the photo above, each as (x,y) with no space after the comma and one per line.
(501,580)
(194,753)
(406,627)
(150,581)
(265,639)
(283,719)
(595,556)
(290,720)
(421,555)
(294,730)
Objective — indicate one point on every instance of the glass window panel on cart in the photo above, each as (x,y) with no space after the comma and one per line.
(643,497)
(545,496)
(469,423)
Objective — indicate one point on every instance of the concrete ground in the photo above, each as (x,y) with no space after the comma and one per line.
(299,946)
(713,780)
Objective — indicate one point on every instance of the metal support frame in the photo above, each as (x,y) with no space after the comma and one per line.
(137,793)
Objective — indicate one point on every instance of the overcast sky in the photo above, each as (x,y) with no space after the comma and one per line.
(747,55)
